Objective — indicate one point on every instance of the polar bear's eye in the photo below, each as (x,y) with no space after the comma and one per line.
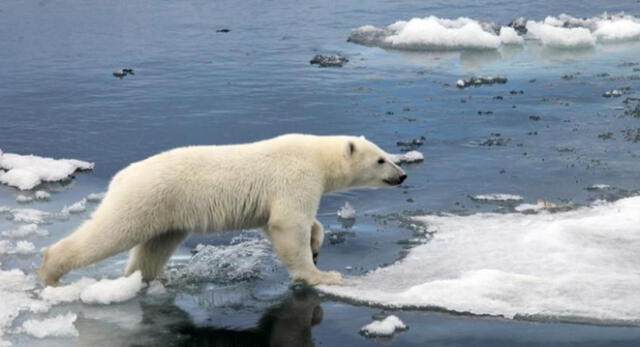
(381,161)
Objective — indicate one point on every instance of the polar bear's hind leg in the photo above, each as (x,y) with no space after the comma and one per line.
(150,257)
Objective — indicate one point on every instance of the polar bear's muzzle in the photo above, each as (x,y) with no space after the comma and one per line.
(396,181)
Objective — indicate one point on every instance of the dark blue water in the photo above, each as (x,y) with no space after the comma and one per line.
(193,85)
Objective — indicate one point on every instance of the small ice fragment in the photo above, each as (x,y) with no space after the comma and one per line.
(329,60)
(460,84)
(409,157)
(156,288)
(497,197)
(25,231)
(23,199)
(612,93)
(347,211)
(479,81)
(29,215)
(385,327)
(61,325)
(68,293)
(529,208)
(42,195)
(598,187)
(96,197)
(20,247)
(77,207)
(509,36)
(108,291)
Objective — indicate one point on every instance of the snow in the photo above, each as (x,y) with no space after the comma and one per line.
(68,293)
(108,291)
(347,211)
(429,33)
(409,157)
(617,30)
(580,264)
(560,37)
(25,172)
(42,195)
(61,325)
(497,197)
(25,231)
(385,327)
(508,36)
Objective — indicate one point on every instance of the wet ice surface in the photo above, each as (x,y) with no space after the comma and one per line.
(560,143)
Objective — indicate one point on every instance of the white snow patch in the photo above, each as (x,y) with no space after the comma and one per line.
(508,36)
(58,326)
(409,157)
(617,30)
(385,327)
(347,211)
(27,171)
(497,197)
(560,37)
(108,291)
(68,293)
(429,33)
(579,264)
(23,199)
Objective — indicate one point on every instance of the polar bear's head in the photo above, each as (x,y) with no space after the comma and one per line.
(370,166)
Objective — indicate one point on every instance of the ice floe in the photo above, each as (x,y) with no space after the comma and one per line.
(108,291)
(76,207)
(96,197)
(24,231)
(496,197)
(409,157)
(58,326)
(68,293)
(347,211)
(561,37)
(580,265)
(27,215)
(20,247)
(385,327)
(25,172)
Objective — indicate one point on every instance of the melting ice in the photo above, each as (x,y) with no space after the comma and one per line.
(577,265)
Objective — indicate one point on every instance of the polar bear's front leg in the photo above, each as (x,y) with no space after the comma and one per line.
(290,239)
(317,236)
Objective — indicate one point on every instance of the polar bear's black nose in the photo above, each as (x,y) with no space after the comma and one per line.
(402,178)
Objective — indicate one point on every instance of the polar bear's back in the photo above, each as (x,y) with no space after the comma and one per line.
(210,188)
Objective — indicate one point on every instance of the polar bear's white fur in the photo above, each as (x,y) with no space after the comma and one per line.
(276,184)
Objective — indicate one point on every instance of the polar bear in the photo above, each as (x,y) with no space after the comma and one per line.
(151,206)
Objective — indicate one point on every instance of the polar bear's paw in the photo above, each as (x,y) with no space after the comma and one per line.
(321,277)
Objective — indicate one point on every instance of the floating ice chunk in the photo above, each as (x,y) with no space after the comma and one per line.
(156,288)
(23,199)
(20,247)
(96,197)
(429,33)
(243,260)
(509,36)
(58,326)
(385,327)
(497,197)
(347,211)
(559,37)
(329,60)
(529,208)
(598,187)
(108,291)
(27,171)
(615,93)
(478,81)
(25,231)
(409,157)
(68,293)
(77,207)
(29,215)
(576,265)
(617,30)
(42,195)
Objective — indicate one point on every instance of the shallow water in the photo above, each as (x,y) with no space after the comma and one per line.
(195,86)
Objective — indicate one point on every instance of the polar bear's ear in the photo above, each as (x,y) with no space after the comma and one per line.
(351,148)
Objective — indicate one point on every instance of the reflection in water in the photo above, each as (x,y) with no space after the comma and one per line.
(288,323)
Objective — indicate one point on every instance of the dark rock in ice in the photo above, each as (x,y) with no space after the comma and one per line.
(498,97)
(519,25)
(411,145)
(606,136)
(568,77)
(329,60)
(480,113)
(223,30)
(516,92)
(535,118)
(478,81)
